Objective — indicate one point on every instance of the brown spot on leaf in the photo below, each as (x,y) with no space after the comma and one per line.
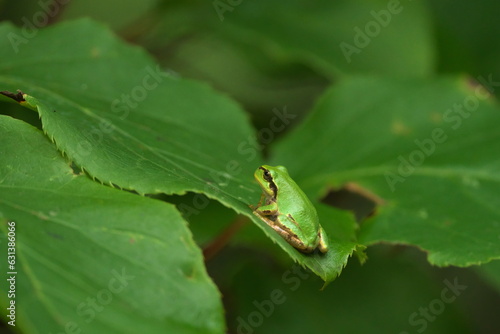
(399,128)
(436,117)
(95,52)
(478,88)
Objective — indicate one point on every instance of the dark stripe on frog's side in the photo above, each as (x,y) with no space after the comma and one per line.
(286,228)
(290,233)
(293,221)
(269,179)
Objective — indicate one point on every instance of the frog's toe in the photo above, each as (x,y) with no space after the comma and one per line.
(323,241)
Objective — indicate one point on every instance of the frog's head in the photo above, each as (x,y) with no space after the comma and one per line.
(266,176)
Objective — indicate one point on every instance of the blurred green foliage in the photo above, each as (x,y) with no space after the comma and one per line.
(266,55)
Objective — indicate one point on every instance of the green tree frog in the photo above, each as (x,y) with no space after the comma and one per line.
(285,208)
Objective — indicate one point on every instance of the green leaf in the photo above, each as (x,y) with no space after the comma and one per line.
(126,121)
(111,112)
(117,115)
(427,148)
(93,258)
(337,37)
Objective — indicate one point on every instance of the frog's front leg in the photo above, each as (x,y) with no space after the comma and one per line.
(270,209)
(262,200)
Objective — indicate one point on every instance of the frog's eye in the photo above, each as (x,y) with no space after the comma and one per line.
(265,171)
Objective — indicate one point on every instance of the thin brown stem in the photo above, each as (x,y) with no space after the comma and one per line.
(221,241)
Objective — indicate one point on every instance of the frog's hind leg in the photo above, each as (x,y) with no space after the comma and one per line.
(292,239)
(285,233)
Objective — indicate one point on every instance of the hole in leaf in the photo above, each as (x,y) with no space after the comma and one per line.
(76,170)
(354,198)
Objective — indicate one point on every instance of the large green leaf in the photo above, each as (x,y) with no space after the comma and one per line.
(428,149)
(114,112)
(108,108)
(94,258)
